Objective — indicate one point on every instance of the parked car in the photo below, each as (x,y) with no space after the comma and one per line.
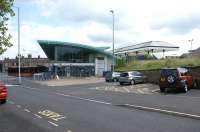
(179,79)
(3,93)
(112,76)
(131,77)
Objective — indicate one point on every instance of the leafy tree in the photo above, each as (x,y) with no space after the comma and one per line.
(5,12)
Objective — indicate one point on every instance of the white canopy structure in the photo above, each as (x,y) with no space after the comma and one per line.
(147,47)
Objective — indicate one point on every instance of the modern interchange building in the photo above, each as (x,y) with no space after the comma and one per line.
(72,59)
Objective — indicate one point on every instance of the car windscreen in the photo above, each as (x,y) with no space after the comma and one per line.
(108,74)
(116,73)
(125,74)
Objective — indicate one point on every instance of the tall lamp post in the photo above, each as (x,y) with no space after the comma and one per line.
(113,60)
(191,40)
(19,63)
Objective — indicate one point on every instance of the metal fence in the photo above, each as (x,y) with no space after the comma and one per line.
(42,76)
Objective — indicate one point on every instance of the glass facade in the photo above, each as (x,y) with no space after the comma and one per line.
(73,54)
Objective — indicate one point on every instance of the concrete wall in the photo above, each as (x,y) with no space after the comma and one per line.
(153,75)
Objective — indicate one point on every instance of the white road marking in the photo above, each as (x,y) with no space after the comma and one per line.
(86,99)
(30,87)
(106,88)
(54,124)
(182,96)
(11,102)
(37,116)
(155,90)
(140,91)
(10,85)
(27,110)
(18,106)
(127,90)
(116,90)
(165,111)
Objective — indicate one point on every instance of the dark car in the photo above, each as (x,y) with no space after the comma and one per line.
(179,79)
(131,77)
(112,76)
(3,93)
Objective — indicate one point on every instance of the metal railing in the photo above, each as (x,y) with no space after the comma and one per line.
(42,76)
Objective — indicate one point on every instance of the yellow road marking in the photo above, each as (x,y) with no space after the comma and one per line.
(51,115)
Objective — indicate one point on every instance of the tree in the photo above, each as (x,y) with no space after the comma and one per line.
(5,13)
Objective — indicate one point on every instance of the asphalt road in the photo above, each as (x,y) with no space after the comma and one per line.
(35,108)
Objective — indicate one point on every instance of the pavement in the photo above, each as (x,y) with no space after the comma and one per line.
(33,107)
(72,81)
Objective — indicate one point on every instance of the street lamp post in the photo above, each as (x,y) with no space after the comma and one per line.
(113,60)
(191,40)
(19,63)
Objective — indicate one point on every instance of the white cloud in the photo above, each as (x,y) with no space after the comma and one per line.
(93,22)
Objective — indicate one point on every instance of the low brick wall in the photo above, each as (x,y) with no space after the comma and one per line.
(154,75)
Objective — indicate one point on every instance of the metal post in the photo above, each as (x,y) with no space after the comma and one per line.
(191,40)
(113,63)
(19,63)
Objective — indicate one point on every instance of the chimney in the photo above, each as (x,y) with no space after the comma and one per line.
(29,56)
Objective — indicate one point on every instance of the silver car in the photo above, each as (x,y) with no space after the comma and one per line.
(131,77)
(112,76)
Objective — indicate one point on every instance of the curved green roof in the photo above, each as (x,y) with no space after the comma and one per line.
(100,50)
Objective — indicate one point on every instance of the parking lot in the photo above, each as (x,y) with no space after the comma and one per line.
(137,89)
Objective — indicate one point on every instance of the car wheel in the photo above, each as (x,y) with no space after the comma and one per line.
(185,88)
(162,90)
(171,79)
(194,84)
(132,82)
(3,101)
(121,83)
(114,80)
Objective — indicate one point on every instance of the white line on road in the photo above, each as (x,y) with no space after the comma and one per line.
(18,106)
(127,90)
(155,90)
(10,85)
(27,110)
(140,91)
(182,96)
(164,111)
(37,116)
(106,88)
(54,124)
(116,89)
(86,99)
(11,102)
(30,87)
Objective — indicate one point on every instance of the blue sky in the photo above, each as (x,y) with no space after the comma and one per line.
(90,22)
